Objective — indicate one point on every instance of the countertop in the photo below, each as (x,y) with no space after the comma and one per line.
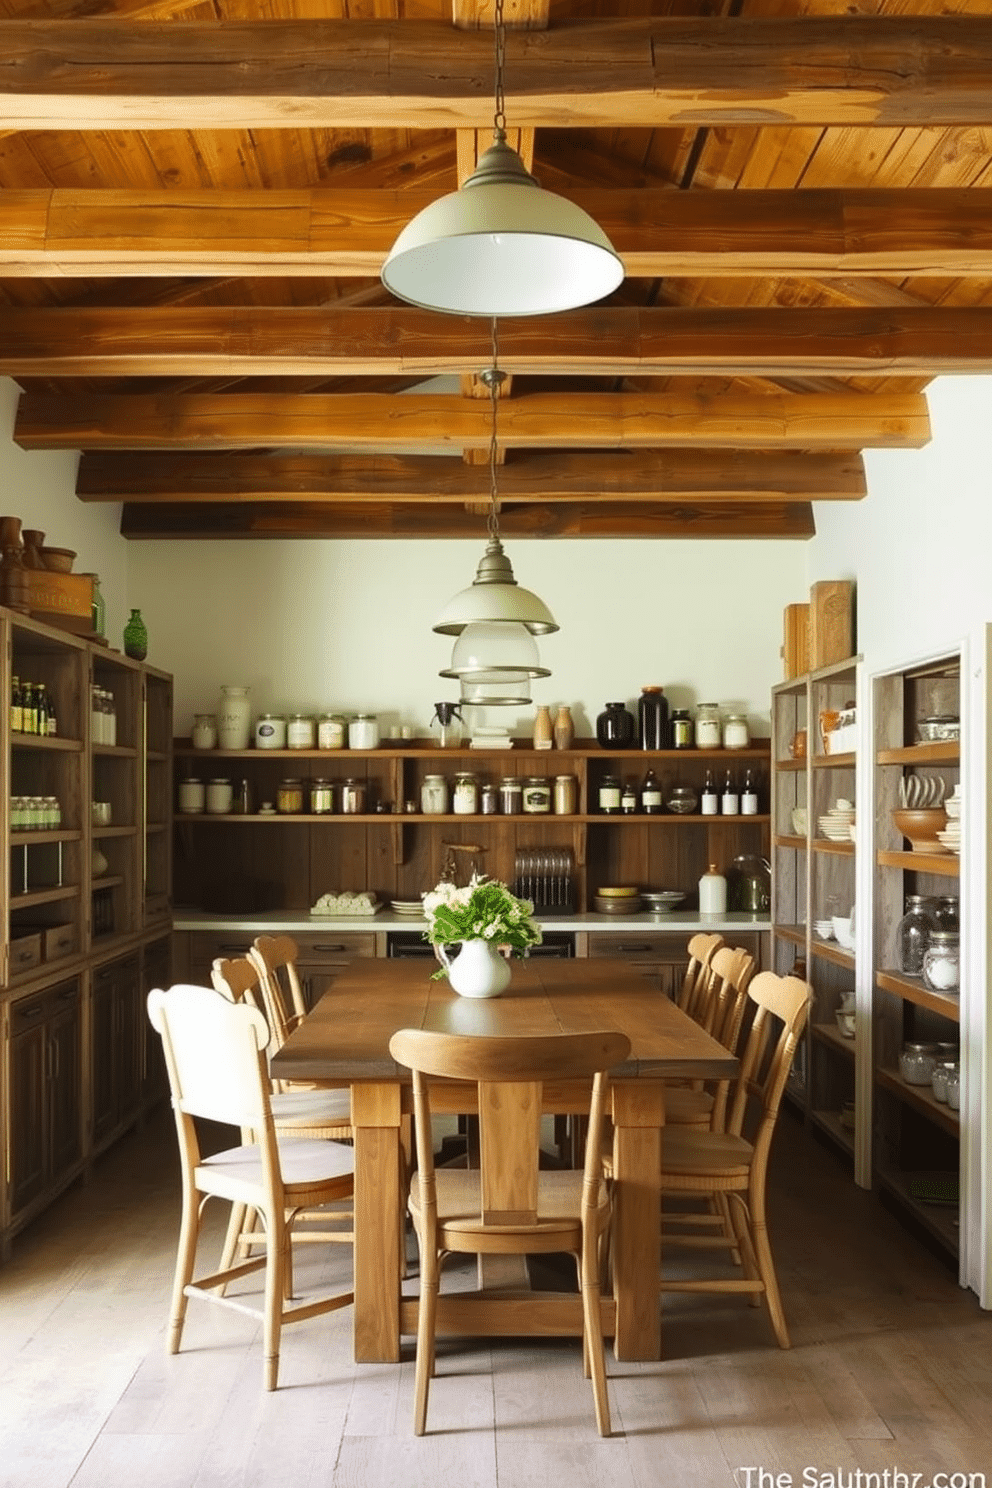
(292,922)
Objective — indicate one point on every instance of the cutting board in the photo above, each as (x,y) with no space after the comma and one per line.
(795,648)
(831,622)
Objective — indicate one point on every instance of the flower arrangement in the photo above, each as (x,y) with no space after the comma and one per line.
(483,910)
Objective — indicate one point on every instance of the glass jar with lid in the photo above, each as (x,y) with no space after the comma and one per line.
(913,934)
(945,912)
(708,732)
(682,731)
(536,795)
(353,797)
(565,795)
(321,797)
(917,1063)
(242,802)
(736,734)
(289,797)
(434,795)
(942,963)
(270,731)
(205,731)
(192,796)
(488,798)
(363,731)
(609,795)
(301,732)
(510,795)
(220,795)
(465,798)
(330,731)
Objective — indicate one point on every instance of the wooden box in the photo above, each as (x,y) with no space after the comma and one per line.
(795,648)
(63,600)
(831,622)
(25,953)
(59,941)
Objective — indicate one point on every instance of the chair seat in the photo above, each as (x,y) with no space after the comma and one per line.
(559,1206)
(686,1107)
(312,1108)
(303,1163)
(704,1154)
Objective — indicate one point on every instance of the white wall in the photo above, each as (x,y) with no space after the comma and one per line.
(347,625)
(39,487)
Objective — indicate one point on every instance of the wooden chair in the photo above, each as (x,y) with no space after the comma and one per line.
(508,1206)
(275,957)
(731,970)
(692,995)
(215,1054)
(728,1167)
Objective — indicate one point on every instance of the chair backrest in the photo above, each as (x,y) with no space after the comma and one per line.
(239,979)
(702,948)
(275,956)
(731,970)
(765,1064)
(509,1073)
(215,1053)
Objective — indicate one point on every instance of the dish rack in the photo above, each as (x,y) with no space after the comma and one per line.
(545,876)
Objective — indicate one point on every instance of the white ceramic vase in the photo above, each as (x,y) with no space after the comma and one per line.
(478,970)
(234,718)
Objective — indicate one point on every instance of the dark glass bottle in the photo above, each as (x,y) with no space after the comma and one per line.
(651,794)
(709,801)
(681,729)
(615,727)
(628,799)
(652,716)
(749,794)
(730,801)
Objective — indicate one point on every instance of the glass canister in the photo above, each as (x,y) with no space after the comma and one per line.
(565,795)
(615,727)
(434,795)
(270,731)
(330,731)
(917,1063)
(652,718)
(192,796)
(511,795)
(465,800)
(353,797)
(220,796)
(289,797)
(234,718)
(488,798)
(243,801)
(205,731)
(301,732)
(913,934)
(942,963)
(736,734)
(681,728)
(363,731)
(609,795)
(708,731)
(945,912)
(954,1088)
(321,797)
(536,795)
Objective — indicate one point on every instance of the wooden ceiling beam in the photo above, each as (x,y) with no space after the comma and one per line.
(785,520)
(592,479)
(348,231)
(287,341)
(653,72)
(426,423)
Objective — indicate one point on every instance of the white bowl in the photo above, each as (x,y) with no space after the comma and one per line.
(845,1023)
(843,932)
(824,930)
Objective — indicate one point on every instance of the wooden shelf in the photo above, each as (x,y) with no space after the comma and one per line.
(114,751)
(824,845)
(797,843)
(921,1098)
(795,934)
(830,1122)
(846,761)
(796,765)
(946,753)
(827,1033)
(948,865)
(56,834)
(940,1219)
(109,882)
(476,818)
(44,896)
(913,990)
(102,833)
(825,950)
(56,745)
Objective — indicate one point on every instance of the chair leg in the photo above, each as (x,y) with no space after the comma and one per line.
(189,1233)
(766,1270)
(741,1218)
(592,1337)
(426,1323)
(277,1232)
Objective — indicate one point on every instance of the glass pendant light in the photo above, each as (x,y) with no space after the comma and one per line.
(501,245)
(495,621)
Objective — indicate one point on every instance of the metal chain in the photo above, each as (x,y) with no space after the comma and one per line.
(494,378)
(499,45)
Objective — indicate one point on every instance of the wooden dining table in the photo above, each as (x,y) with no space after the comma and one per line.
(344,1041)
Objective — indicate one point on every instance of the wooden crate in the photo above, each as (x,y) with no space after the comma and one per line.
(795,648)
(63,600)
(831,622)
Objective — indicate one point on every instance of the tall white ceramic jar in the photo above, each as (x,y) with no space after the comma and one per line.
(234,718)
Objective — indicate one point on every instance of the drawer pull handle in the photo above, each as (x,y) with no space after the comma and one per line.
(633,946)
(31,1012)
(326,948)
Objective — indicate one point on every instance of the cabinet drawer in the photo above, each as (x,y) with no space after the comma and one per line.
(24,954)
(334,946)
(59,941)
(670,949)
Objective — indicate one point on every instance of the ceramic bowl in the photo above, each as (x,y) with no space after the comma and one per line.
(842,931)
(661,901)
(921,827)
(58,560)
(628,904)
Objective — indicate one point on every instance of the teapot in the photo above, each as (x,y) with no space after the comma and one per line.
(749,884)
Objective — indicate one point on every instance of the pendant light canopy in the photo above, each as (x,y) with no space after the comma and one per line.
(501,245)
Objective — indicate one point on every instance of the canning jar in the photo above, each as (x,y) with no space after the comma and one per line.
(510,795)
(466,795)
(270,732)
(353,797)
(917,1063)
(205,731)
(735,731)
(330,731)
(321,797)
(289,797)
(609,794)
(536,795)
(488,798)
(954,1088)
(192,795)
(363,731)
(300,732)
(942,963)
(938,1080)
(434,795)
(565,795)
(708,733)
(913,934)
(945,912)
(220,794)
(681,729)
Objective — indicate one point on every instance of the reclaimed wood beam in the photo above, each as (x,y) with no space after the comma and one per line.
(593,478)
(348,231)
(786,520)
(653,72)
(428,423)
(287,341)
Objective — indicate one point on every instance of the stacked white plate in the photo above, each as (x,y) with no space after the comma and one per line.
(824,929)
(412,908)
(951,835)
(836,823)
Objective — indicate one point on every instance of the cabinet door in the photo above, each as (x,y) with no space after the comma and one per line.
(103,1085)
(65,1083)
(156,971)
(117,1034)
(322,958)
(28,1135)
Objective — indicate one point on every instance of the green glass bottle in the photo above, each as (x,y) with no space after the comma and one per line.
(98,609)
(136,637)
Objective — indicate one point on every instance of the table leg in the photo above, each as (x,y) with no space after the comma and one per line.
(376,1119)
(638,1118)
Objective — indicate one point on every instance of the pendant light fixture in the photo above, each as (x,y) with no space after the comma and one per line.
(501,245)
(495,620)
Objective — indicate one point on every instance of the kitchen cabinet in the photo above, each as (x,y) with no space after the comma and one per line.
(233,863)
(44,1078)
(117,1039)
(321,955)
(659,956)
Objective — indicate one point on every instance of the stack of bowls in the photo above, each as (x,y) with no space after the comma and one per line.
(824,929)
(950,837)
(836,823)
(618,899)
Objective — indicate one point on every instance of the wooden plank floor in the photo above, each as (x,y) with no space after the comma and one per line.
(891,1367)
